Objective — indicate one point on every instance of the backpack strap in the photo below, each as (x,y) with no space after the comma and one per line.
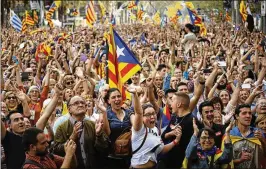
(142,142)
(28,161)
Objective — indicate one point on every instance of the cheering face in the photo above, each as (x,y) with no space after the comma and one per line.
(243,95)
(224,95)
(115,100)
(206,141)
(135,78)
(68,94)
(207,113)
(69,81)
(217,106)
(149,117)
(262,125)
(261,106)
(217,118)
(34,94)
(245,116)
(11,101)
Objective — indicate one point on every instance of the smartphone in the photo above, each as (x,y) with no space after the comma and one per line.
(246,86)
(248,67)
(15,60)
(24,76)
(222,64)
(206,70)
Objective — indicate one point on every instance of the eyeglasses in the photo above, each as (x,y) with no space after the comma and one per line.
(70,82)
(205,138)
(11,97)
(78,103)
(149,115)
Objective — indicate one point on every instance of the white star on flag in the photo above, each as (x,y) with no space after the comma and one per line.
(119,51)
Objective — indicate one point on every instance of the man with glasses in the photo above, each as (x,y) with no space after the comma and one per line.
(90,139)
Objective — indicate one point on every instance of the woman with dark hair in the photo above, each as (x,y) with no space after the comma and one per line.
(190,38)
(201,151)
(146,141)
(118,121)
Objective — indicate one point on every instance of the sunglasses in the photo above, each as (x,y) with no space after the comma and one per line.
(70,82)
(11,97)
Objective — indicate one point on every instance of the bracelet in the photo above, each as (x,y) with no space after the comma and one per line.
(174,142)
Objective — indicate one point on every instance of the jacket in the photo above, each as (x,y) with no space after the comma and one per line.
(94,146)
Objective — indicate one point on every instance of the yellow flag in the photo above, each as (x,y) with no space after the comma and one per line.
(178,6)
(156,18)
(57,3)
(103,9)
(171,11)
(189,5)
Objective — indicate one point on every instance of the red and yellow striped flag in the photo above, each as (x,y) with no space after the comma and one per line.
(140,14)
(29,19)
(35,17)
(243,11)
(24,25)
(90,14)
(228,17)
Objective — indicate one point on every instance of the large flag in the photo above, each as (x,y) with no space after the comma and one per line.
(122,64)
(140,13)
(243,11)
(194,18)
(157,18)
(175,18)
(15,21)
(35,17)
(90,14)
(50,12)
(28,18)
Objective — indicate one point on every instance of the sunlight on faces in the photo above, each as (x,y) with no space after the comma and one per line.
(68,94)
(69,81)
(11,100)
(174,81)
(243,96)
(34,94)
(158,81)
(52,84)
(206,141)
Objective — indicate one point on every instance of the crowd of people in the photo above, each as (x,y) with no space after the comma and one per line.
(198,101)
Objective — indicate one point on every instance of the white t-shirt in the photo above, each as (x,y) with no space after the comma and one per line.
(152,141)
(189,39)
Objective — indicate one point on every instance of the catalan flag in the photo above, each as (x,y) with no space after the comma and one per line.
(243,11)
(122,64)
(44,49)
(90,14)
(194,18)
(140,13)
(175,18)
(24,25)
(131,15)
(35,17)
(28,19)
(132,4)
(228,17)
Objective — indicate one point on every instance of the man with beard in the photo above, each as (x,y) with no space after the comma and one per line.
(206,110)
(36,146)
(12,140)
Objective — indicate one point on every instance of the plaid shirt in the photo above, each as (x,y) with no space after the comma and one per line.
(45,161)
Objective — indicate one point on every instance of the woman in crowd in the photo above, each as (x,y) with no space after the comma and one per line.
(202,152)
(146,141)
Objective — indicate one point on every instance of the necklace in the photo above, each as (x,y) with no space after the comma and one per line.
(178,123)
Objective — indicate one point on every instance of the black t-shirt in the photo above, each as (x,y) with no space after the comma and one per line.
(19,109)
(219,132)
(14,150)
(175,156)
